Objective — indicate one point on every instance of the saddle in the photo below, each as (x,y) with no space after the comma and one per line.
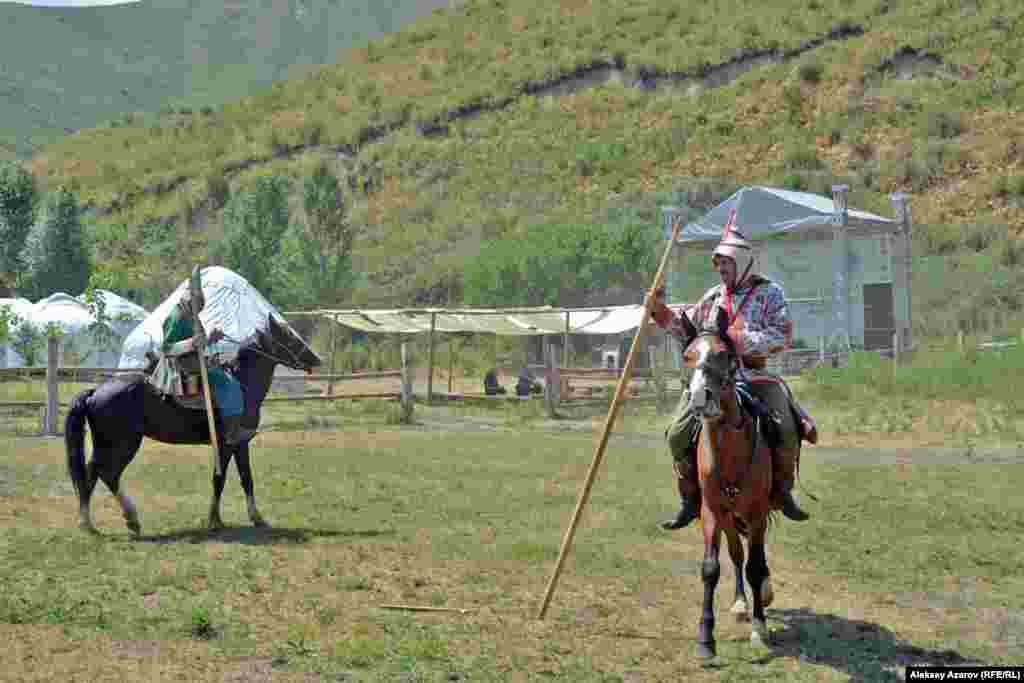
(759,413)
(191,395)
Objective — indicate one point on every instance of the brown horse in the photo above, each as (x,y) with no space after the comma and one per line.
(735,474)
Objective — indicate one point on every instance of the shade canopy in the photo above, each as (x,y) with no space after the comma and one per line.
(506,322)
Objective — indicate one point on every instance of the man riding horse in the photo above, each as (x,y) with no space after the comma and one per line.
(759,327)
(177,370)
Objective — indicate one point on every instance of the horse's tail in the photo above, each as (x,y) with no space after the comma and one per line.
(74,440)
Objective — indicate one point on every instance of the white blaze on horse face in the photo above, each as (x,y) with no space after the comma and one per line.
(699,380)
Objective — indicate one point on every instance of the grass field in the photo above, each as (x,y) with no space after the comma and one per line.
(912,555)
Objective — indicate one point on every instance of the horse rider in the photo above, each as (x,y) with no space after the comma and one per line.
(759,327)
(173,371)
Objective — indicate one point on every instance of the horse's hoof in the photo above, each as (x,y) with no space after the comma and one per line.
(134,527)
(767,596)
(705,650)
(740,609)
(88,528)
(260,523)
(215,524)
(760,636)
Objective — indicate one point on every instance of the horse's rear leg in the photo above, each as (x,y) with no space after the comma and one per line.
(710,571)
(245,475)
(85,496)
(760,585)
(108,464)
(740,607)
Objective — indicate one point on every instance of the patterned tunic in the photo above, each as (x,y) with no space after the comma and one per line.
(760,324)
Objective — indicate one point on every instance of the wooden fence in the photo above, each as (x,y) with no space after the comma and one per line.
(55,375)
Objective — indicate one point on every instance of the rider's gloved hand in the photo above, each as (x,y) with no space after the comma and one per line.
(215,335)
(661,313)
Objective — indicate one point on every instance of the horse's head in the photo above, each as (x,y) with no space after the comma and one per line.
(711,357)
(281,344)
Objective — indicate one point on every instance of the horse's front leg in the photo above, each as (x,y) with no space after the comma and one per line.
(214,521)
(710,571)
(760,585)
(740,607)
(245,475)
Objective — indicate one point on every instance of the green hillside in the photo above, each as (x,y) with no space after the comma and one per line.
(66,68)
(449,117)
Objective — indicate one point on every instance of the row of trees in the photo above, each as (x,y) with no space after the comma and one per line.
(293,260)
(306,260)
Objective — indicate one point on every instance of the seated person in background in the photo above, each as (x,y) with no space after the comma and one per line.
(527,384)
(491,386)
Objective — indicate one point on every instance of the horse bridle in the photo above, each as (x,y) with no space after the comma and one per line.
(726,381)
(258,350)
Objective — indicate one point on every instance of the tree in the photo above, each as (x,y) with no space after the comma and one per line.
(19,199)
(9,320)
(56,255)
(255,223)
(562,264)
(318,264)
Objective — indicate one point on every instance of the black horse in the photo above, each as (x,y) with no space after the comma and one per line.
(123,410)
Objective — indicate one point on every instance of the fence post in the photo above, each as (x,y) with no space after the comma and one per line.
(551,379)
(430,358)
(896,347)
(451,361)
(407,395)
(334,353)
(960,340)
(52,360)
(565,342)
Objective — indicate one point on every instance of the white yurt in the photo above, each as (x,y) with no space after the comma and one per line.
(80,343)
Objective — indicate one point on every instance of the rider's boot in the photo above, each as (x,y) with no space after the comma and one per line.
(782,483)
(808,427)
(689,492)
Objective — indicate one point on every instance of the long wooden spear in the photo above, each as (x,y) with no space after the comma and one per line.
(610,420)
(199,345)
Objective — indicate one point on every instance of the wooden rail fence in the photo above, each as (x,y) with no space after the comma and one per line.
(55,375)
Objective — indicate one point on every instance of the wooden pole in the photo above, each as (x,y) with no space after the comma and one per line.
(550,378)
(599,454)
(199,343)
(430,360)
(451,361)
(565,342)
(52,384)
(407,396)
(334,352)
